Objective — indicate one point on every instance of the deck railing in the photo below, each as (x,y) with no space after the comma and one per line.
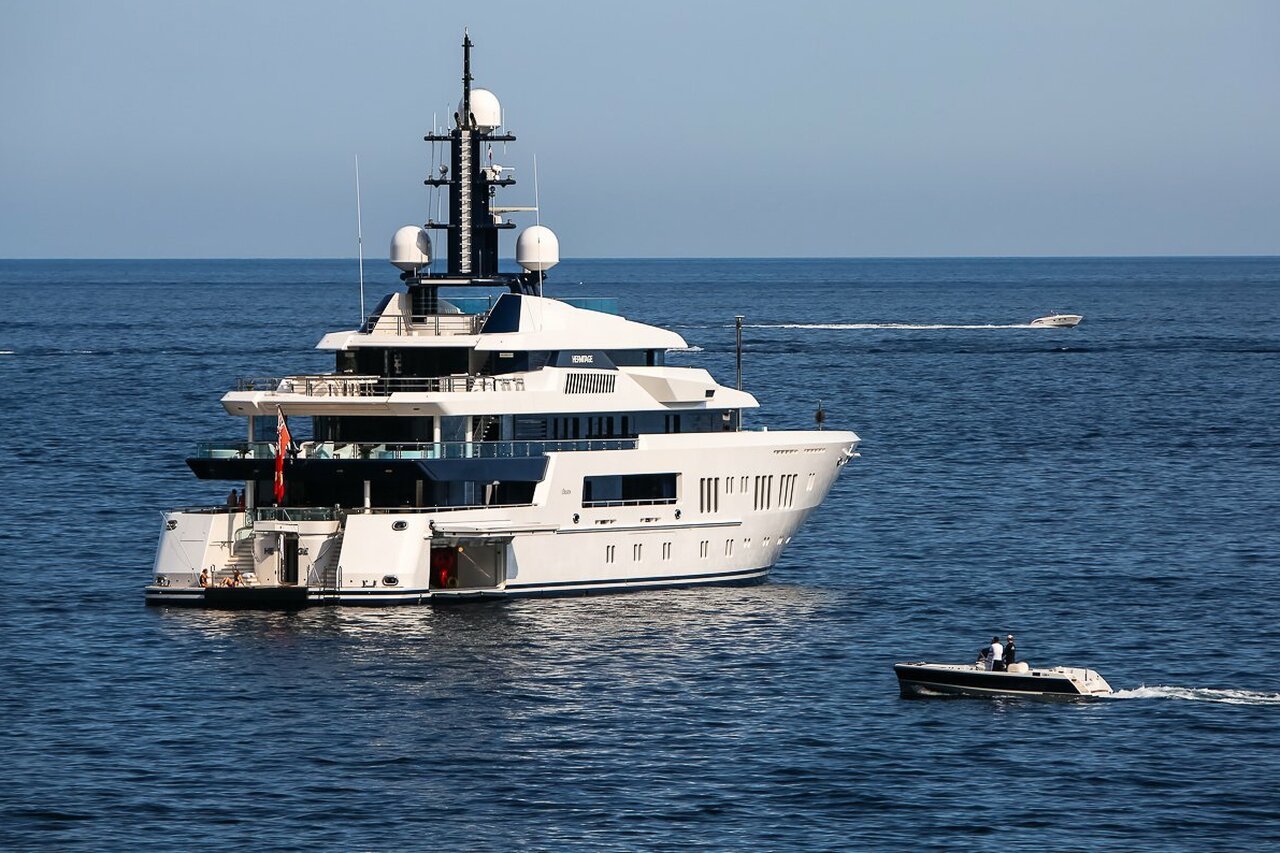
(424,324)
(631,502)
(333,513)
(408,450)
(353,385)
(296,513)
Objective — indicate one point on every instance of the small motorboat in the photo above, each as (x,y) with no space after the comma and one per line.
(1058,321)
(974,679)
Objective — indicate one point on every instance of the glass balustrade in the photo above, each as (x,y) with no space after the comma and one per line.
(409,450)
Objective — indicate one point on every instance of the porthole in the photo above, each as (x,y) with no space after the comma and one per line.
(170,524)
(400,525)
(391,580)
(576,518)
(677,514)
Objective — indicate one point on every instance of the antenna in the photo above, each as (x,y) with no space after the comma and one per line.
(466,79)
(360,239)
(737,321)
(738,347)
(537,217)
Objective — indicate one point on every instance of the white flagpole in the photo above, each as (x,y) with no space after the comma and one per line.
(360,239)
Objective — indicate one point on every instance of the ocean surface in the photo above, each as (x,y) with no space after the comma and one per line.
(1110,494)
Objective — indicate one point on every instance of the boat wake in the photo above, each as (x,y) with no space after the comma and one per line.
(1199,694)
(917,326)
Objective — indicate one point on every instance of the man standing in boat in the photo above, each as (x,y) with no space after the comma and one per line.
(1010,652)
(995,660)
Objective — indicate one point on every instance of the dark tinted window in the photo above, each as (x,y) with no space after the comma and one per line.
(505,316)
(629,488)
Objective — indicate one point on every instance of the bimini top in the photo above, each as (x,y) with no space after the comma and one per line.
(533,323)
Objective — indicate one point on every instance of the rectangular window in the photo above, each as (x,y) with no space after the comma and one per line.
(629,489)
(529,428)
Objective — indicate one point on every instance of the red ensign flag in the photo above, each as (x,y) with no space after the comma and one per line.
(283,439)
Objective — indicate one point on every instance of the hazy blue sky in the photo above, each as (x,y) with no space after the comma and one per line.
(169,129)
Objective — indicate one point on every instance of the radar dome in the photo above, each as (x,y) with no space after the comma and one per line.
(486,109)
(411,248)
(537,249)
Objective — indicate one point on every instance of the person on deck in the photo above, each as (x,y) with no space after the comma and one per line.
(995,660)
(1010,652)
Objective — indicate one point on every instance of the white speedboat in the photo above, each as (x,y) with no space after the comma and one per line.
(952,679)
(1059,321)
(481,447)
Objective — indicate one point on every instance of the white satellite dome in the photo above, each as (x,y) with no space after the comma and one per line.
(486,109)
(537,248)
(411,248)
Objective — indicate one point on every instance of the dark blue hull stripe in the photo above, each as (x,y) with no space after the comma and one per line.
(414,596)
(618,581)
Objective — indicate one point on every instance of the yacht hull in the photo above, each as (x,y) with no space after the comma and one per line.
(713,533)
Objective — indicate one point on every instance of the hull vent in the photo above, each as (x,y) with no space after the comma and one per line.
(590,383)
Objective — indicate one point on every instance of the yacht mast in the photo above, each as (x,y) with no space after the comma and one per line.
(473,226)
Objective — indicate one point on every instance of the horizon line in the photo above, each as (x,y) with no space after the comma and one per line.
(354,259)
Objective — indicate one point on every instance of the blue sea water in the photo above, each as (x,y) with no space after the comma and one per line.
(1108,493)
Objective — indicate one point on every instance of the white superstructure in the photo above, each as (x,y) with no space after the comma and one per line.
(468,447)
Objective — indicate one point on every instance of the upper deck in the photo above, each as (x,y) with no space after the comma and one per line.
(394,322)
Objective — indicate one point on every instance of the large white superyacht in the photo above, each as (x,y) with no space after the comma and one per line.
(482,447)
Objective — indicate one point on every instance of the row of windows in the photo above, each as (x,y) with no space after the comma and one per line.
(704,548)
(635,489)
(535,427)
(709,490)
(637,552)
